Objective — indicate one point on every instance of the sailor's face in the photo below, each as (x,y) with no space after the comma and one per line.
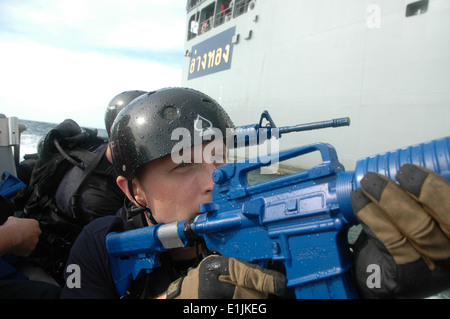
(173,191)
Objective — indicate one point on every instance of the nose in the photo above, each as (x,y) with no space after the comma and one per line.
(207,183)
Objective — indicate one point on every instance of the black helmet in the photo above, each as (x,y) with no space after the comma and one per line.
(117,104)
(142,132)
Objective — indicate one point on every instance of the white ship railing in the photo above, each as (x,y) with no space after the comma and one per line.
(235,9)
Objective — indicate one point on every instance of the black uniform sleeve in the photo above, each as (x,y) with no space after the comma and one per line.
(89,256)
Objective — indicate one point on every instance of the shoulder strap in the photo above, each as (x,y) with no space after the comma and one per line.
(133,217)
(88,171)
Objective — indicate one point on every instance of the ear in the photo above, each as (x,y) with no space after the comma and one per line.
(139,194)
(108,154)
(123,185)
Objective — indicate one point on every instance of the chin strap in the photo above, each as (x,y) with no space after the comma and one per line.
(146,210)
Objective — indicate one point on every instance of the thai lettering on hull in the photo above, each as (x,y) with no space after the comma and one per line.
(213,55)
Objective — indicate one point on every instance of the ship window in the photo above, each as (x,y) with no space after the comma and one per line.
(193,26)
(416,8)
(214,14)
(192,4)
(241,7)
(207,18)
(224,11)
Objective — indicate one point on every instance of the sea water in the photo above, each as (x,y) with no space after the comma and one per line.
(37,130)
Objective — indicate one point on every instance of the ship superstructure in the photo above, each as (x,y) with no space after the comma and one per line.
(385,64)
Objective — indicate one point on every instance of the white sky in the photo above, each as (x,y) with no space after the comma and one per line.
(68,58)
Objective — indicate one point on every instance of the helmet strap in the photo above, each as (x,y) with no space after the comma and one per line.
(147,210)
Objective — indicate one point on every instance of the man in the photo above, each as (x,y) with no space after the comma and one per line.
(161,191)
(406,231)
(71,186)
(98,195)
(164,190)
(18,237)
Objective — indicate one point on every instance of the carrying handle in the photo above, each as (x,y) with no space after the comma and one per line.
(233,177)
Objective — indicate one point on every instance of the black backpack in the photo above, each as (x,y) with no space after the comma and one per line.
(65,146)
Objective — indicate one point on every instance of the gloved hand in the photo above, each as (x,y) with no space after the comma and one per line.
(406,232)
(220,277)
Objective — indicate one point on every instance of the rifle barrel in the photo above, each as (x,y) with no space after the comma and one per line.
(343,121)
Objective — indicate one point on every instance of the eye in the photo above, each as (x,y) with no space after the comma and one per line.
(219,158)
(181,166)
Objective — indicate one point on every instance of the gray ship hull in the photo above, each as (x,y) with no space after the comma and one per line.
(386,65)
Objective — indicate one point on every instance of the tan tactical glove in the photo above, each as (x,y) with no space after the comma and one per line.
(220,277)
(406,232)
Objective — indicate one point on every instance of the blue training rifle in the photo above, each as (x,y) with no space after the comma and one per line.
(300,220)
